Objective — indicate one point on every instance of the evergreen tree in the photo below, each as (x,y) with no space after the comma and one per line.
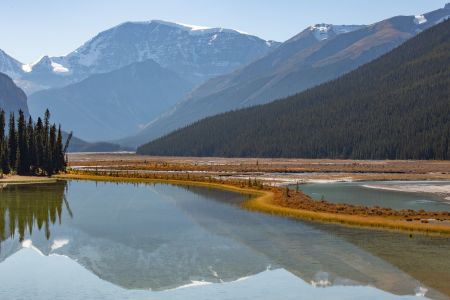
(2,125)
(59,152)
(32,149)
(31,139)
(12,142)
(39,134)
(4,167)
(50,167)
(22,161)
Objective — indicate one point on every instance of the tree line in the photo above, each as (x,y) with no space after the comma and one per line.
(396,107)
(31,148)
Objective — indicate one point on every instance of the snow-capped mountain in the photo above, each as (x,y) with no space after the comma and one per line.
(196,53)
(319,53)
(45,64)
(9,65)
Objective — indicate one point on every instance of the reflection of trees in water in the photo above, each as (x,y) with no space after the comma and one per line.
(22,207)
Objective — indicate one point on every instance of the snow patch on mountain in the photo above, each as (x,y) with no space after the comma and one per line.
(320,31)
(27,68)
(195,29)
(58,68)
(45,63)
(192,27)
(325,31)
(420,19)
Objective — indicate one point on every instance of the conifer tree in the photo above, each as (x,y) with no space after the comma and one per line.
(32,148)
(2,125)
(31,140)
(12,142)
(4,167)
(22,163)
(39,133)
(50,168)
(59,152)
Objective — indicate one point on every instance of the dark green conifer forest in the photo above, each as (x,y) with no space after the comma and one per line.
(31,148)
(396,107)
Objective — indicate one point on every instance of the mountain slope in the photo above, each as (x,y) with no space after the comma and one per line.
(195,53)
(79,145)
(112,105)
(396,107)
(9,65)
(318,54)
(12,98)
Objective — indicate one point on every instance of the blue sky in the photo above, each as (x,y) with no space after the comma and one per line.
(32,28)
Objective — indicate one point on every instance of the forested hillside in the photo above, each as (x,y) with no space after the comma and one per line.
(316,55)
(396,107)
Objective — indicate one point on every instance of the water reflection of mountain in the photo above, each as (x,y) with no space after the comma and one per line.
(23,208)
(162,236)
(389,260)
(423,257)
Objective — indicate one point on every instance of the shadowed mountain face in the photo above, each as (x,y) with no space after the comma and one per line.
(316,55)
(112,105)
(12,98)
(195,53)
(395,107)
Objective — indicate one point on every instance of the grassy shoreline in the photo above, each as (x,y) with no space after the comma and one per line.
(264,200)
(221,186)
(21,180)
(266,206)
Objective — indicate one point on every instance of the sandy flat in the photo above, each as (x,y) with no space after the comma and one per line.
(441,189)
(14,179)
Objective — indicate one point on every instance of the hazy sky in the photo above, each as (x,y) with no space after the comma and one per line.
(32,28)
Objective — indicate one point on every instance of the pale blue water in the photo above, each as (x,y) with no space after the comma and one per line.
(358,193)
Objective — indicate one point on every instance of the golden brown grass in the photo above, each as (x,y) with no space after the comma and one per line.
(267,205)
(16,179)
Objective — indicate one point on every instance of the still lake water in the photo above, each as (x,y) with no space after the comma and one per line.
(88,240)
(359,193)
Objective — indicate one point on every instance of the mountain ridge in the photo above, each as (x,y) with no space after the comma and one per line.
(298,64)
(395,107)
(109,105)
(197,53)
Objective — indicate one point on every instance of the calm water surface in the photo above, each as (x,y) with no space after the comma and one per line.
(88,240)
(359,193)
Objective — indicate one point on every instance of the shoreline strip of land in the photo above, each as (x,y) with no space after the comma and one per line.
(20,180)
